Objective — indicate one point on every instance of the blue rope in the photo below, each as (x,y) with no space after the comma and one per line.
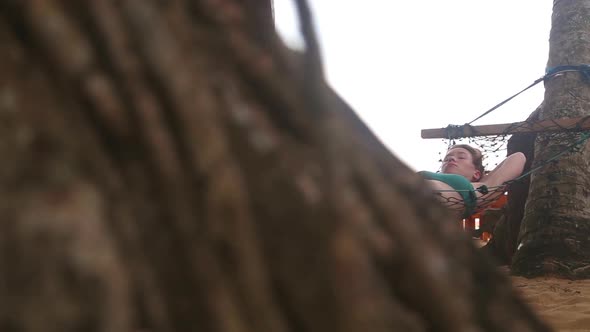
(583,69)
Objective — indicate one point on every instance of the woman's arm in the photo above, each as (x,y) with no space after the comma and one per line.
(509,169)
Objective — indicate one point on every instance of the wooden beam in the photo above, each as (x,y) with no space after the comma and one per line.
(551,125)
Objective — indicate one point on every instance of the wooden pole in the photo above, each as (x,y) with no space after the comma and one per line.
(550,125)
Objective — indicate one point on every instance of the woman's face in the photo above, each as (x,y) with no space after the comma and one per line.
(459,161)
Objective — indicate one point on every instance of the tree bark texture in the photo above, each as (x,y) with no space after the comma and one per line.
(164,168)
(555,232)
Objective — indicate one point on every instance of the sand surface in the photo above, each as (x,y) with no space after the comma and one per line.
(564,304)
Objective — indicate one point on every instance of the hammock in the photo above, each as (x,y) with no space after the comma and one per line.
(570,135)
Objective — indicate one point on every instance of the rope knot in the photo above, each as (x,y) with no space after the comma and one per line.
(483,189)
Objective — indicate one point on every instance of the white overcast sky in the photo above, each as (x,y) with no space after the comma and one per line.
(411,65)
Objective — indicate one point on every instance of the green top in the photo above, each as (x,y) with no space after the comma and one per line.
(460,184)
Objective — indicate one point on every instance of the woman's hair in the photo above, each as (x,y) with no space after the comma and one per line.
(476,155)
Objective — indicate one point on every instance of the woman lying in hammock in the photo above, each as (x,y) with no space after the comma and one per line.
(462,185)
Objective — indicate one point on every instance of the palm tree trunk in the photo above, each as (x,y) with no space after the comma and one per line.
(167,169)
(555,233)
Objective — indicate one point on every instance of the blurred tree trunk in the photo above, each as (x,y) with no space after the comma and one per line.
(555,232)
(171,166)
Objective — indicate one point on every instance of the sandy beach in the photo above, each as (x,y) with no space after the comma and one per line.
(564,304)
